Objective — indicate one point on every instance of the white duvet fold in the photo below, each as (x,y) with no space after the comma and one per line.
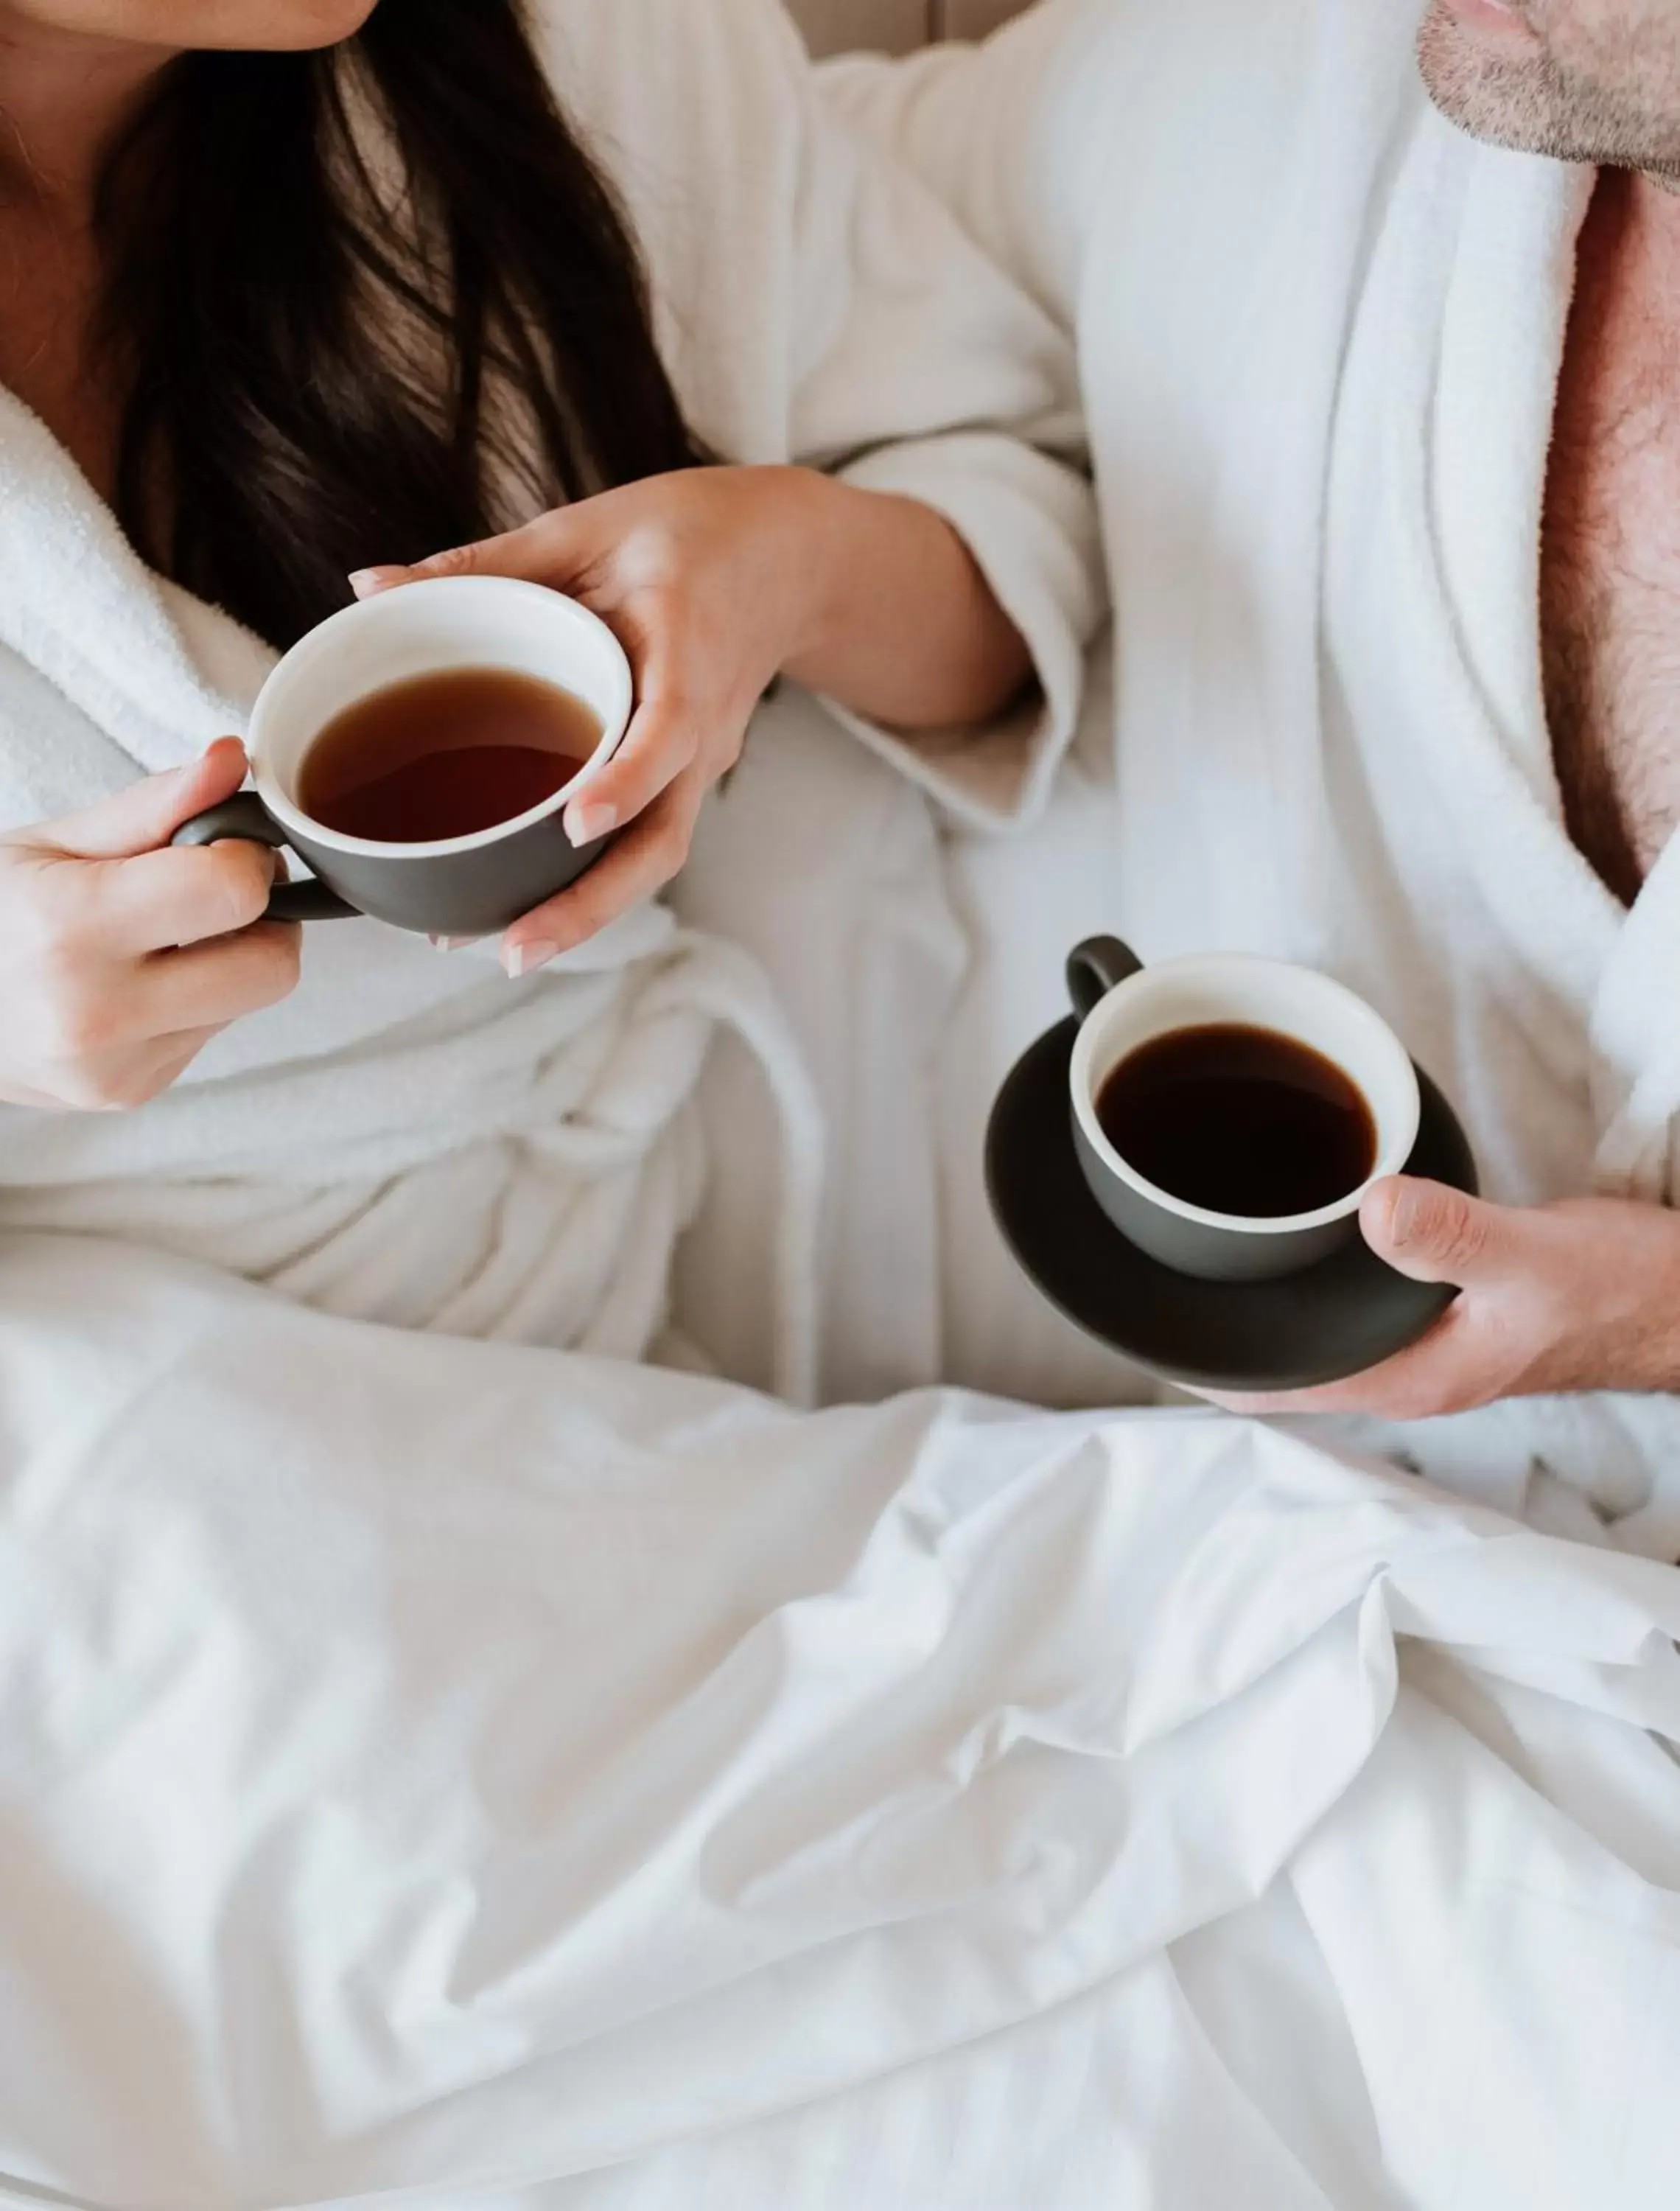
(441,1768)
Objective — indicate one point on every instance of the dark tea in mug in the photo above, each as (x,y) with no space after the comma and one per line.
(1240,1120)
(445,755)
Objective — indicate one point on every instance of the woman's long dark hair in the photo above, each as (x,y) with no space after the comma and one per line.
(332,359)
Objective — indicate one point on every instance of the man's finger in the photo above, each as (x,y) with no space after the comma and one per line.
(1457,1364)
(1436,1234)
(146,816)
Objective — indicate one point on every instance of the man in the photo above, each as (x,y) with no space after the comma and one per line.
(1383,368)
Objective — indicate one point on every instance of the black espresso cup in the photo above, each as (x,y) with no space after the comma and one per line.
(469,886)
(1124,1006)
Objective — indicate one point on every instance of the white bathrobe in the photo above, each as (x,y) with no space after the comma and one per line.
(1320,332)
(409,1140)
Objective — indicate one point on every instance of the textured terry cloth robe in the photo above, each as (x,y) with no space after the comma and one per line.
(1320,331)
(407,1140)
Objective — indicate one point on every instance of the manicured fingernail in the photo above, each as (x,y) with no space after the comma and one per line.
(365,582)
(519,959)
(585,823)
(451,943)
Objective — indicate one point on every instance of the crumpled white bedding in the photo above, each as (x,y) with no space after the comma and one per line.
(482,1777)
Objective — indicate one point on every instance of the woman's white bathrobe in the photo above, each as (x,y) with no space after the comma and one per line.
(409,1139)
(1319,332)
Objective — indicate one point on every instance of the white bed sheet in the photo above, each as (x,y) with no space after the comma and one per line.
(505,1781)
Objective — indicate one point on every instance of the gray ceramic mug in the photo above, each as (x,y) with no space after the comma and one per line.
(1123,1005)
(473,886)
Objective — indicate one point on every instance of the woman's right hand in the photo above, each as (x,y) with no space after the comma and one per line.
(121,957)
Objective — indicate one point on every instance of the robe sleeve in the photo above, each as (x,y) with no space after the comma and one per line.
(1015,135)
(924,371)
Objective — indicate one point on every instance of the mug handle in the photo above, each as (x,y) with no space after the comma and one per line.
(246,816)
(1098,965)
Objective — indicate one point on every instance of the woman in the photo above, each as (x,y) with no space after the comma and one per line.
(301,289)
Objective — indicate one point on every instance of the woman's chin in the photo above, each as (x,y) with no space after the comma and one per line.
(273,25)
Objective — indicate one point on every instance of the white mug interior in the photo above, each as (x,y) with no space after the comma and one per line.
(1312,1008)
(424,629)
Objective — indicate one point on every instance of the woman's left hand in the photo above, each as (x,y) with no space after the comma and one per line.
(698,575)
(1583,1295)
(715,581)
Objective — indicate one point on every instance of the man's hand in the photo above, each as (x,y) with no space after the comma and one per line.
(1584,1295)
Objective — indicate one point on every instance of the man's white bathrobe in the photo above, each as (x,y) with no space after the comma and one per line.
(409,1140)
(1319,332)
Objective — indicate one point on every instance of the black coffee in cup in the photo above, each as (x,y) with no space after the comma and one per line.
(1239,1120)
(445,755)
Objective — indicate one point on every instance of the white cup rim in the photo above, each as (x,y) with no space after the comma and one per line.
(330,636)
(1397,1127)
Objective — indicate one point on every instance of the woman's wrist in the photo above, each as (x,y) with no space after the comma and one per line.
(890,613)
(812,533)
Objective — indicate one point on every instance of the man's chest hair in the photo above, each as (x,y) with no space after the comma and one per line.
(1609,596)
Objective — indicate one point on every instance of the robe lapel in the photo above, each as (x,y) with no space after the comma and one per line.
(1502,329)
(1635,1038)
(154,669)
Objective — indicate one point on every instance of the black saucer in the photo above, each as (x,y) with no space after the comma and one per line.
(1347,1313)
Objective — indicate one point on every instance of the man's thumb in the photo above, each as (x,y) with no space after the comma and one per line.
(1434,1234)
(144,817)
